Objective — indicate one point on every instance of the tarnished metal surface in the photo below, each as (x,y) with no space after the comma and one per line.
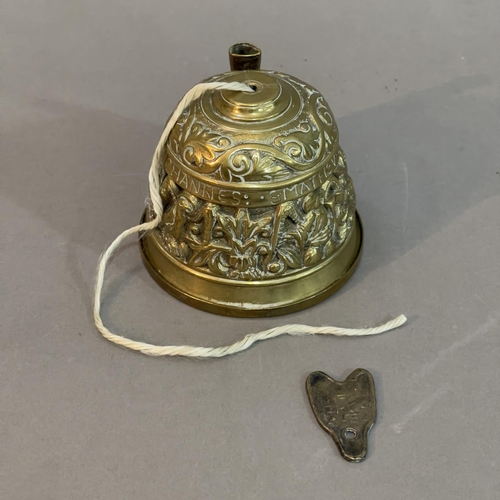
(346,410)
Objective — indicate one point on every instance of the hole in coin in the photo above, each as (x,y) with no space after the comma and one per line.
(349,433)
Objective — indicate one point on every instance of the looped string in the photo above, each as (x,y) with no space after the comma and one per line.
(155,178)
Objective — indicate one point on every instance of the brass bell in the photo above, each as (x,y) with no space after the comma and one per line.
(260,216)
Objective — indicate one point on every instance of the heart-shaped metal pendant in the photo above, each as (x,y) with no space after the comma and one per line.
(346,410)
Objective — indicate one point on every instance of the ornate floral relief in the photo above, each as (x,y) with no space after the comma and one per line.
(257,243)
(197,142)
(303,144)
(323,112)
(223,237)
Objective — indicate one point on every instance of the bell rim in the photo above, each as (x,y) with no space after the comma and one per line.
(249,310)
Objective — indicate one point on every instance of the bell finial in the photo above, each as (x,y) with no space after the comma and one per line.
(244,56)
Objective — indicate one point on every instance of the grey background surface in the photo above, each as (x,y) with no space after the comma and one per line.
(86,89)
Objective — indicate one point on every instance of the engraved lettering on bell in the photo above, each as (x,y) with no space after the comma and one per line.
(346,410)
(254,244)
(260,212)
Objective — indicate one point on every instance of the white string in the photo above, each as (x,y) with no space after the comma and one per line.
(155,176)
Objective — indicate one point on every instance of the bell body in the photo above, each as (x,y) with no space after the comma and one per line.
(260,215)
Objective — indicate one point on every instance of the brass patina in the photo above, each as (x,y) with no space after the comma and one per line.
(260,215)
(346,410)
